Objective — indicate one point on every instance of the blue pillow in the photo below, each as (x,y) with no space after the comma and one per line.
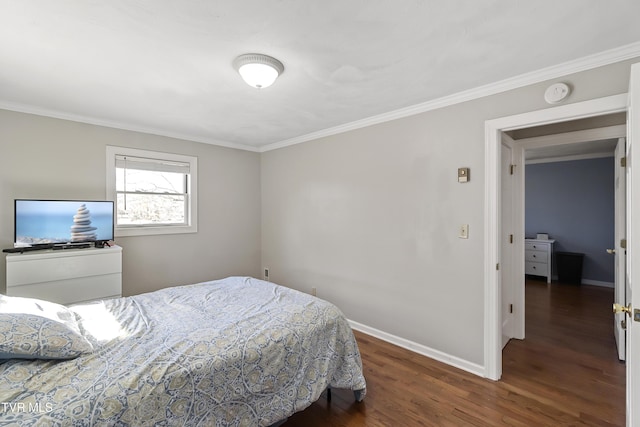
(36,329)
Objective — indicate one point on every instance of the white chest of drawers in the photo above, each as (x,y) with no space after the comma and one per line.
(66,276)
(538,256)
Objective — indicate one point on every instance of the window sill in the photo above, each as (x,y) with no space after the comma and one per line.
(150,231)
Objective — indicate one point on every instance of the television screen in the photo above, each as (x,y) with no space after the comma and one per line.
(62,221)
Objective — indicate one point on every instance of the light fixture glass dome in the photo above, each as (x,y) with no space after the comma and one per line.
(258,70)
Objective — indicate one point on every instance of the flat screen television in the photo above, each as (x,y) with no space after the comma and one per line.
(45,222)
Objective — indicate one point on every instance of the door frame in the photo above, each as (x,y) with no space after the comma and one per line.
(493,132)
(511,262)
(633,245)
(620,255)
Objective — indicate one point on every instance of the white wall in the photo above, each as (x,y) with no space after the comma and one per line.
(370,217)
(56,159)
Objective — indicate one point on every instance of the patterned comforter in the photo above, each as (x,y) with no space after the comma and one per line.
(238,352)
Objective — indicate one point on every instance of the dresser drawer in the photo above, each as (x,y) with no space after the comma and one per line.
(25,270)
(536,268)
(536,246)
(65,276)
(72,290)
(536,256)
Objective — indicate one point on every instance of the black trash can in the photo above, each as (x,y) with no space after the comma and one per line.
(569,267)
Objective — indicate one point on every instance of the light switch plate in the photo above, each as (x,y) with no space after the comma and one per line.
(464,231)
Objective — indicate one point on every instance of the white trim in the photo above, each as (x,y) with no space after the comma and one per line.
(569,158)
(611,56)
(508,276)
(598,283)
(492,294)
(597,134)
(440,356)
(579,110)
(112,151)
(493,131)
(115,124)
(633,247)
(519,242)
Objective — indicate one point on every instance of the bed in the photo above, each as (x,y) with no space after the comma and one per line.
(233,352)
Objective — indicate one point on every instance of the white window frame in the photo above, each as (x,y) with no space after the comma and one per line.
(147,230)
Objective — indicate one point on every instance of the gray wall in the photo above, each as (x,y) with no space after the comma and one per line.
(57,159)
(370,217)
(573,202)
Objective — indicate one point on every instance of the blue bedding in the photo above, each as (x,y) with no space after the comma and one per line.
(232,352)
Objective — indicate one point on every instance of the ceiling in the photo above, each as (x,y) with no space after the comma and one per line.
(586,149)
(165,66)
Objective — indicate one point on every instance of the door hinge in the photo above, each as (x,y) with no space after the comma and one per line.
(623,243)
(623,162)
(512,169)
(510,308)
(510,238)
(498,266)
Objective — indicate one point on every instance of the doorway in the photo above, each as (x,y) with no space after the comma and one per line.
(494,132)
(582,163)
(569,343)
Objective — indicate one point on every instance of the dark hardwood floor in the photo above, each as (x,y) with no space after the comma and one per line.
(565,373)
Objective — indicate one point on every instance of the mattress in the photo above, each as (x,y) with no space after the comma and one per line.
(238,351)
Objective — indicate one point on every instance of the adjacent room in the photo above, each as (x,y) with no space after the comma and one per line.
(280,213)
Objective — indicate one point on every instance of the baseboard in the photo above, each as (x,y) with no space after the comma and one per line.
(591,282)
(598,283)
(454,361)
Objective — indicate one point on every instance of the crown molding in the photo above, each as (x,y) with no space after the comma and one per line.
(607,57)
(611,56)
(38,111)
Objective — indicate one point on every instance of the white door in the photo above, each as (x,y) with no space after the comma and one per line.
(506,237)
(633,250)
(620,252)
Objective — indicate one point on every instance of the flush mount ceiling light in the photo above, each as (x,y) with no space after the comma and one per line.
(258,70)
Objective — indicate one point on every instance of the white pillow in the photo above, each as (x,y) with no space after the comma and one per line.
(36,329)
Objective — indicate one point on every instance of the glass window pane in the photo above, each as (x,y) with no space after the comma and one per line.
(149,181)
(152,209)
(119,179)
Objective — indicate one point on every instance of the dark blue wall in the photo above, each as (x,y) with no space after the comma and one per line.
(573,202)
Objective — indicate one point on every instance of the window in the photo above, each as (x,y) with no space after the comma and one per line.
(154,193)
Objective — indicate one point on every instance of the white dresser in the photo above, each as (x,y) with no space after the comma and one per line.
(66,276)
(538,256)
